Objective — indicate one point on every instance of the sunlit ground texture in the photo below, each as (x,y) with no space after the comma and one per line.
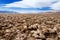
(29,26)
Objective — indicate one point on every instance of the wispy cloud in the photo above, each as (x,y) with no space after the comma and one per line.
(22,10)
(56,6)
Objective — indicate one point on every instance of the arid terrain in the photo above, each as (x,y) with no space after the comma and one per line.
(29,26)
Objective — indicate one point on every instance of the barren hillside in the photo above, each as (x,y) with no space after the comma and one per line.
(29,26)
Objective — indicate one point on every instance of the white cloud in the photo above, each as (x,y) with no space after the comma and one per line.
(56,6)
(31,3)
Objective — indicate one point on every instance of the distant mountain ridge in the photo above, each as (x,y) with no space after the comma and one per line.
(13,12)
(8,12)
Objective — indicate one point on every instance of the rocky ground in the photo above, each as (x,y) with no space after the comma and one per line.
(29,26)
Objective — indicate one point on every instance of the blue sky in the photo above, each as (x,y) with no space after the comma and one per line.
(8,1)
(29,6)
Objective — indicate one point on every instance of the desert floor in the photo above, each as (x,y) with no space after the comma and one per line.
(29,26)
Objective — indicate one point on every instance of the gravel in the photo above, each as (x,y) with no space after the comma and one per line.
(29,26)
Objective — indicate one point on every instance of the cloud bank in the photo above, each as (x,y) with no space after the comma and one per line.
(31,3)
